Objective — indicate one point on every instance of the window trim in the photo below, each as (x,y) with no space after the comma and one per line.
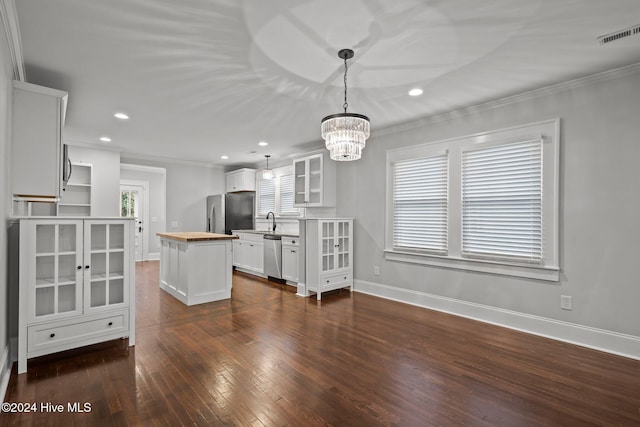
(549,130)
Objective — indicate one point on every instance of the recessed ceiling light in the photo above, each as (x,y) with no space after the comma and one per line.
(415,92)
(121,116)
(263,143)
(105,139)
(224,157)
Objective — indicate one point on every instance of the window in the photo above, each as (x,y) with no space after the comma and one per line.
(485,202)
(502,202)
(266,196)
(420,204)
(287,196)
(276,195)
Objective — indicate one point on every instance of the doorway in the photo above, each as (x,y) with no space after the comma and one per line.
(134,204)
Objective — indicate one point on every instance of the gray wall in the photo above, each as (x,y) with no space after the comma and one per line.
(105,183)
(6,77)
(188,186)
(599,205)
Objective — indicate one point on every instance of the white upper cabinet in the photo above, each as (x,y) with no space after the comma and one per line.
(241,180)
(315,181)
(36,151)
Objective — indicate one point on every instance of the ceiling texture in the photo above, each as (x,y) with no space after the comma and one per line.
(206,78)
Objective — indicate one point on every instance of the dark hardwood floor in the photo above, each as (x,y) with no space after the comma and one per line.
(267,357)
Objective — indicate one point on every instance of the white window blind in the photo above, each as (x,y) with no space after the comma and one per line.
(286,196)
(420,193)
(266,196)
(502,202)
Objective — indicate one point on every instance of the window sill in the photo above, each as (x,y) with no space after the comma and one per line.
(551,274)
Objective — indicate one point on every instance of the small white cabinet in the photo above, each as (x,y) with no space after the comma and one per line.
(290,258)
(314,181)
(36,150)
(328,260)
(75,284)
(248,253)
(241,180)
(76,197)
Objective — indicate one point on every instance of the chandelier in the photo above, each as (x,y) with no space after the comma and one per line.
(345,134)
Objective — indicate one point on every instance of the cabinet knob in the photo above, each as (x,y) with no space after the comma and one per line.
(52,335)
(79,267)
(293,252)
(86,267)
(110,324)
(327,281)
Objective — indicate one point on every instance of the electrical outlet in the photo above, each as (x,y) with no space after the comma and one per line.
(174,224)
(566,302)
(376,270)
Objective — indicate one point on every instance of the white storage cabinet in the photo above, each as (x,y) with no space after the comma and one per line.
(328,258)
(241,180)
(290,258)
(76,284)
(248,253)
(314,181)
(36,150)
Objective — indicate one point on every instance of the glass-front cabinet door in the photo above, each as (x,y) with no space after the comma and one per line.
(55,278)
(344,244)
(327,242)
(105,246)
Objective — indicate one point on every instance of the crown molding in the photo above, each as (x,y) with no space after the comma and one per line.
(12,30)
(512,99)
(159,159)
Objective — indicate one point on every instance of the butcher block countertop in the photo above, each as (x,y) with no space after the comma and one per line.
(196,236)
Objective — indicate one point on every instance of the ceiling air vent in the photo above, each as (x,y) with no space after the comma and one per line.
(620,34)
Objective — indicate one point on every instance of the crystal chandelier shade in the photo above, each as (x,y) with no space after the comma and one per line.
(345,134)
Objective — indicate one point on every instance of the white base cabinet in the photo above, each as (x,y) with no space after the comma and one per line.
(326,259)
(290,250)
(248,253)
(76,284)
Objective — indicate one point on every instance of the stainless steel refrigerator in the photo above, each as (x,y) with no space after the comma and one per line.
(231,211)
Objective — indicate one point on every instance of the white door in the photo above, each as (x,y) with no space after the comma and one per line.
(131,205)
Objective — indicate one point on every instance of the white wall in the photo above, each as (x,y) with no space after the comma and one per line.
(599,220)
(6,77)
(105,184)
(188,186)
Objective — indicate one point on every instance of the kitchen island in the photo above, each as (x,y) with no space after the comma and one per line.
(196,267)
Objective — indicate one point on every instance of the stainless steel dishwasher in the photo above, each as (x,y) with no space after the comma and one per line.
(273,255)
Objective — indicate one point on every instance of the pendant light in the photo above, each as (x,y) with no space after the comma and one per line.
(345,134)
(267,173)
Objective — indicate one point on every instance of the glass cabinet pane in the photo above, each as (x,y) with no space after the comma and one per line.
(116,291)
(45,269)
(116,236)
(66,298)
(116,266)
(98,297)
(45,300)
(66,238)
(98,237)
(45,238)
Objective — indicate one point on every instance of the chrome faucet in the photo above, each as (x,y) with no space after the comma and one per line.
(274,220)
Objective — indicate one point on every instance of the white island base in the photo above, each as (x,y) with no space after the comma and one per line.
(196,267)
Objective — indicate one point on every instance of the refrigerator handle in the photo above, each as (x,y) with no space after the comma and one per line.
(213,219)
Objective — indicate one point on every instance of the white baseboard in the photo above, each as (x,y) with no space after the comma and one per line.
(598,339)
(5,372)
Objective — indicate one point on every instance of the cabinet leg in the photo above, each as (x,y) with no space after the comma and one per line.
(319,296)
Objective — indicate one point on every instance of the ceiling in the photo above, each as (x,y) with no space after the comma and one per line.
(206,78)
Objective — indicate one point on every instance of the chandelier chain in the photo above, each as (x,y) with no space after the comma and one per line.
(345,105)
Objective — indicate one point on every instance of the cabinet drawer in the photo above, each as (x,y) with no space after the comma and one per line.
(41,337)
(290,241)
(335,282)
